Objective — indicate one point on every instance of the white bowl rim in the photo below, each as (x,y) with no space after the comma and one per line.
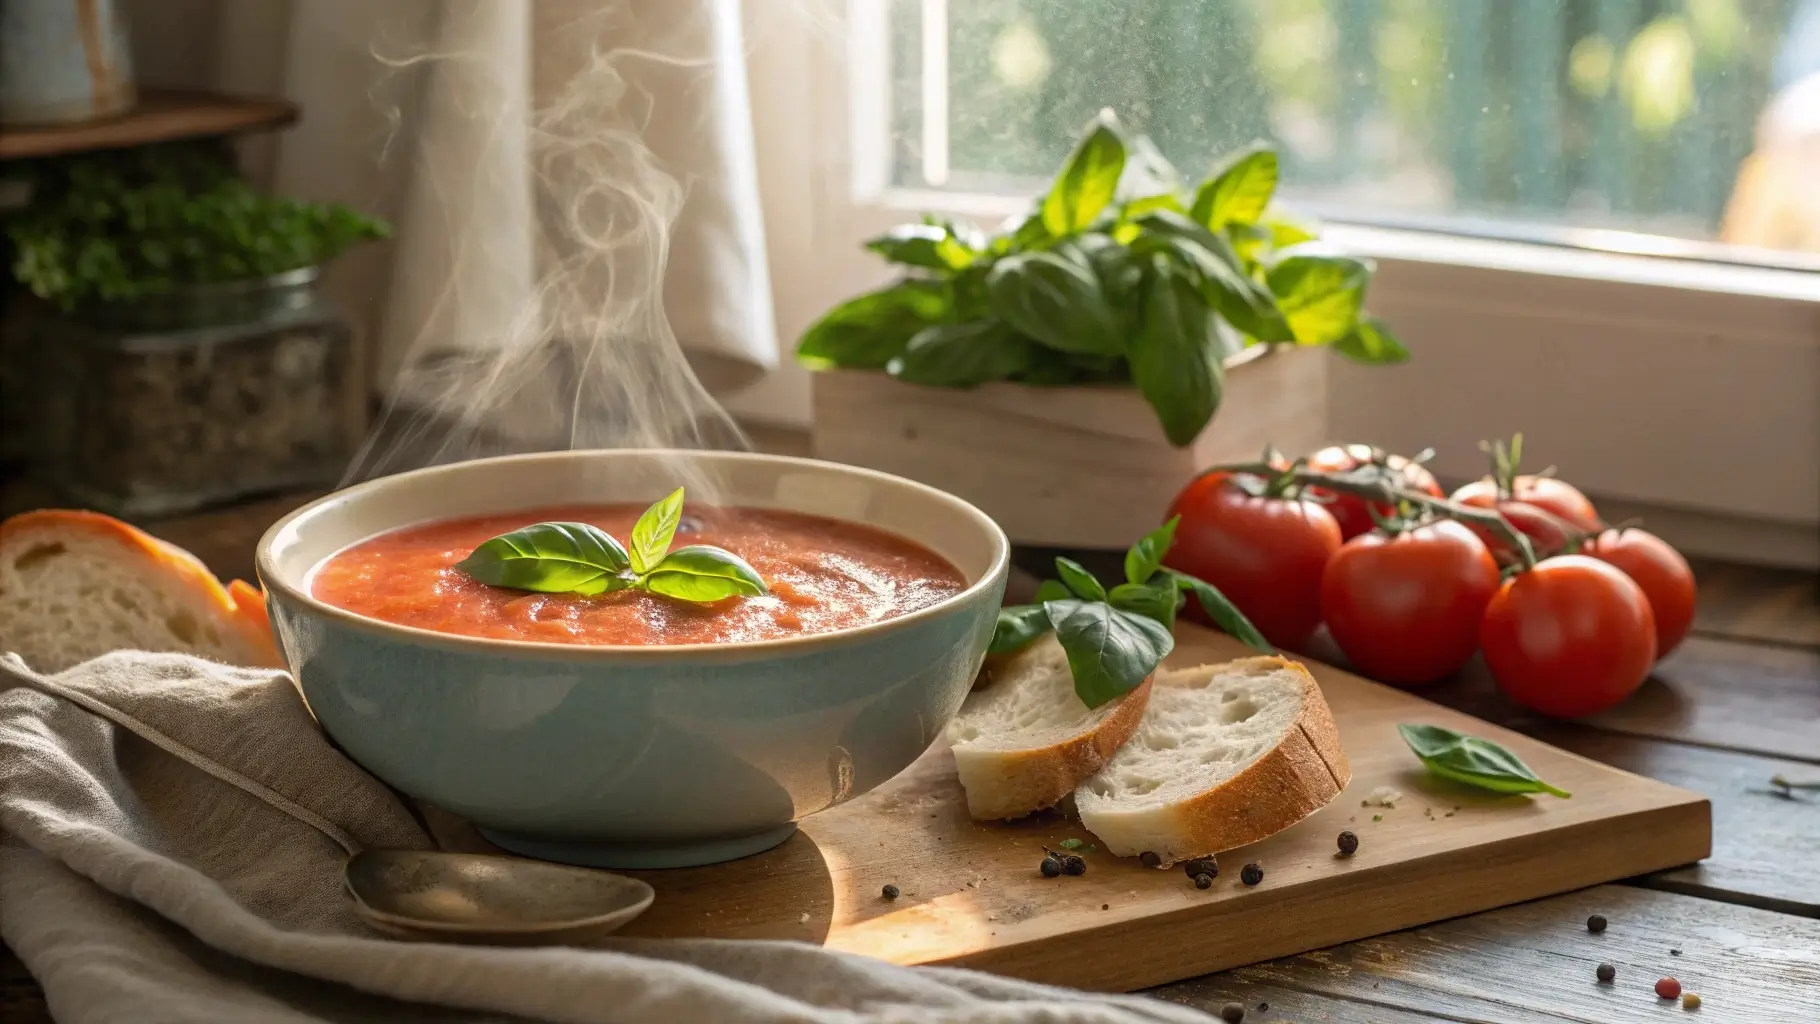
(272,580)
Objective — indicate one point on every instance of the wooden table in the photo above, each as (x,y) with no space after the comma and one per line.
(1738,704)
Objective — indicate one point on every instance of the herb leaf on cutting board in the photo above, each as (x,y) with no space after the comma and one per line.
(1473,761)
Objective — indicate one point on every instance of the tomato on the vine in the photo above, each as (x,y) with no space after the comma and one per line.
(1665,577)
(1556,497)
(1352,512)
(1265,553)
(1570,637)
(1407,608)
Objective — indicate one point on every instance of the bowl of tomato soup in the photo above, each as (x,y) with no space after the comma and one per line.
(630,728)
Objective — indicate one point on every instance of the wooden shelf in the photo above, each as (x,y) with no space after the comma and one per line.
(161,116)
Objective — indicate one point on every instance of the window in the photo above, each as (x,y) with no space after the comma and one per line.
(1595,220)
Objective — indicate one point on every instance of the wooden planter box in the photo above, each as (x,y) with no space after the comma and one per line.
(1084,467)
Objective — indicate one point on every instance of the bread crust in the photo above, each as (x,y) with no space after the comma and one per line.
(1005,785)
(243,619)
(1299,776)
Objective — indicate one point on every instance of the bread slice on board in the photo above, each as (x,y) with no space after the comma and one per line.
(1226,755)
(1024,741)
(75,585)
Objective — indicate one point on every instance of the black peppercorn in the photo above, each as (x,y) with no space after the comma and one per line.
(1251,874)
(1674,952)
(1202,866)
(1203,881)
(891,892)
(1595,924)
(1349,843)
(1232,1013)
(1051,867)
(1072,865)
(1262,1007)
(1150,860)
(1607,972)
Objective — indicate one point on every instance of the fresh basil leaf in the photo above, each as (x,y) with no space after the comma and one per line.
(1223,612)
(1320,294)
(1079,581)
(1048,368)
(1018,626)
(1239,190)
(1148,173)
(1146,556)
(962,355)
(866,332)
(1473,761)
(1372,343)
(703,573)
(1055,300)
(1159,600)
(1173,360)
(652,533)
(1110,652)
(550,558)
(1220,272)
(1285,232)
(923,245)
(1087,182)
(1052,590)
(1164,201)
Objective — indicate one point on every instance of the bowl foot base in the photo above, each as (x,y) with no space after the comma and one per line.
(637,856)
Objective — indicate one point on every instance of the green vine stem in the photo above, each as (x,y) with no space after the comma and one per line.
(1375,486)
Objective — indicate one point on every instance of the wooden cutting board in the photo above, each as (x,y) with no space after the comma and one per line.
(972,895)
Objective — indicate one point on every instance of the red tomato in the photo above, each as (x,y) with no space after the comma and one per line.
(1351,511)
(1556,497)
(1570,637)
(1406,609)
(1547,532)
(1666,579)
(1265,554)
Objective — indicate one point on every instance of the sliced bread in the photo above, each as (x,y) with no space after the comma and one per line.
(75,585)
(1025,741)
(1226,755)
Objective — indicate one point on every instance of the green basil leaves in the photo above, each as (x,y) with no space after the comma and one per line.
(1473,761)
(576,558)
(1115,639)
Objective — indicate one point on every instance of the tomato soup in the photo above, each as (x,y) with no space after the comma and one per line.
(823,575)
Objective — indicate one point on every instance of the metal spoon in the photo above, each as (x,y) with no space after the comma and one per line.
(466,897)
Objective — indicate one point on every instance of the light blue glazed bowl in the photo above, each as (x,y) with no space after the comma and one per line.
(634,756)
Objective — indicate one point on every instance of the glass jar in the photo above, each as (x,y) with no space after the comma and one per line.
(197,397)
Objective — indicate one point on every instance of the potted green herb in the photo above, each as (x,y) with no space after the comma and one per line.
(1062,373)
(181,353)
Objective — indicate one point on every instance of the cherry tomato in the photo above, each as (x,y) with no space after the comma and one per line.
(1556,497)
(1351,511)
(1570,637)
(1406,609)
(1265,554)
(1666,579)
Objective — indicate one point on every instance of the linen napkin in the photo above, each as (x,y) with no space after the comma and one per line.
(174,834)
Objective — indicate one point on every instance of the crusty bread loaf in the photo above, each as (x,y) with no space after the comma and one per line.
(75,585)
(1024,742)
(1226,755)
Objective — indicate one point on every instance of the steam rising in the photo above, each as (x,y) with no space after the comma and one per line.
(559,338)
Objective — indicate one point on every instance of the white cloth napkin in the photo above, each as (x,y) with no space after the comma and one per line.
(174,834)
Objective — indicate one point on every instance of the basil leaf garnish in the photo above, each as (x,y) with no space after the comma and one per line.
(703,572)
(1223,612)
(1109,651)
(652,533)
(1146,556)
(1018,625)
(1158,600)
(1473,761)
(550,558)
(1052,590)
(1079,581)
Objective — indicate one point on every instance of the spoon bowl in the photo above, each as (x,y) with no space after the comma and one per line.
(454,897)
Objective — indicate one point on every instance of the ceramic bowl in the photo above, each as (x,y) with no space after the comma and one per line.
(634,756)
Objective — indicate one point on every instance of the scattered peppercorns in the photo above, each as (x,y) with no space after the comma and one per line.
(1051,866)
(1150,859)
(1203,881)
(1690,1000)
(1595,924)
(1232,1013)
(1072,865)
(1251,874)
(1202,866)
(1668,988)
(1606,973)
(892,892)
(1349,843)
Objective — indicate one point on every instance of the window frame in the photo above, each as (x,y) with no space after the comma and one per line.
(1603,359)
